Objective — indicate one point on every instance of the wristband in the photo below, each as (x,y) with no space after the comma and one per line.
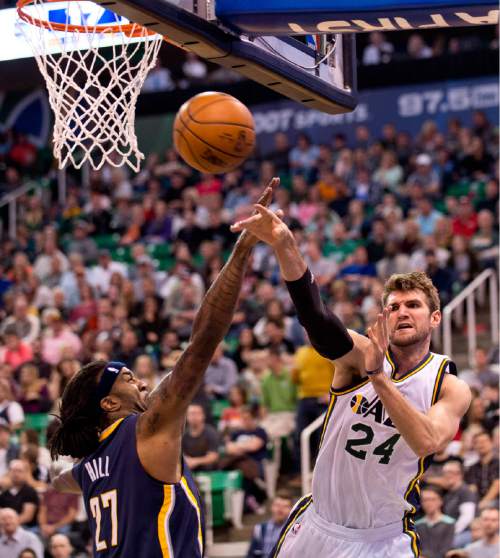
(374,372)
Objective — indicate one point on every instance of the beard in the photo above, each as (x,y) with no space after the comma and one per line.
(407,340)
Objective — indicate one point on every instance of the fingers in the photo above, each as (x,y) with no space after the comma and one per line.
(267,195)
(246,223)
(385,324)
(266,213)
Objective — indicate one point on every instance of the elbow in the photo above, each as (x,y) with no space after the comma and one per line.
(428,447)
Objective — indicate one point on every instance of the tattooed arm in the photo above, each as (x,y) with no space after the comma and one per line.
(168,402)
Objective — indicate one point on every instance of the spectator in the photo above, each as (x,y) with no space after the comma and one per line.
(33,390)
(304,156)
(82,244)
(427,216)
(200,443)
(247,343)
(357,269)
(274,332)
(50,257)
(482,477)
(145,369)
(10,411)
(484,243)
(313,376)
(487,546)
(58,340)
(20,496)
(194,69)
(425,176)
(435,529)
(393,261)
(390,173)
(14,539)
(265,535)
(57,512)
(128,350)
(463,260)
(378,51)
(38,474)
(221,375)
(481,375)
(8,450)
(465,222)
(246,451)
(25,324)
(231,416)
(100,274)
(458,502)
(443,278)
(15,352)
(280,154)
(417,48)
(279,395)
(159,228)
(159,78)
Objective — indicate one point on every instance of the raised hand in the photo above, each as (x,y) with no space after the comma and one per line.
(378,334)
(248,238)
(264,224)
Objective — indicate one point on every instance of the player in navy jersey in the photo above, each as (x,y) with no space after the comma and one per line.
(139,494)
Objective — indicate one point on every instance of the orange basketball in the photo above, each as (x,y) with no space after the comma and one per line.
(214,132)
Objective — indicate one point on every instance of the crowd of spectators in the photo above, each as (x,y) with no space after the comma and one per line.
(382,48)
(118,271)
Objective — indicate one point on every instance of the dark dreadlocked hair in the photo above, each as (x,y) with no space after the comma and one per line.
(77,428)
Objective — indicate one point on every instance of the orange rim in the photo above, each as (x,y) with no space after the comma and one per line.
(129,29)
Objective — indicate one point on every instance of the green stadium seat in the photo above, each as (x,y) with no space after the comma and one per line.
(217,407)
(38,422)
(226,493)
(107,241)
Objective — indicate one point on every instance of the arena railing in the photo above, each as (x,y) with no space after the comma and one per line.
(11,199)
(474,293)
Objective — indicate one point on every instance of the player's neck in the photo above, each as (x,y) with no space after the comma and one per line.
(111,418)
(407,358)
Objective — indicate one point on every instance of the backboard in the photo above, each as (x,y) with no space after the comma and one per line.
(322,78)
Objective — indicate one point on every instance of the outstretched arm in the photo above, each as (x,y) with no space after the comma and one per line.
(326,332)
(169,401)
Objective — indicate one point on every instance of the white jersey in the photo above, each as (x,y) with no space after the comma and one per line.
(366,475)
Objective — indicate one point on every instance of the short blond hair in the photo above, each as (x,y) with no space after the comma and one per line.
(414,281)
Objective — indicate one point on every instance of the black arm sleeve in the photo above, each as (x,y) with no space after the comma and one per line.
(327,333)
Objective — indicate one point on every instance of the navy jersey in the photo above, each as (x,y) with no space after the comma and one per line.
(131,514)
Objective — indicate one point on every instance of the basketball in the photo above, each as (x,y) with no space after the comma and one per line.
(214,132)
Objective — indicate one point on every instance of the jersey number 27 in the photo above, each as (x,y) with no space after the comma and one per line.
(108,500)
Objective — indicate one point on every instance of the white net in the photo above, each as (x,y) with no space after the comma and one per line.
(93,76)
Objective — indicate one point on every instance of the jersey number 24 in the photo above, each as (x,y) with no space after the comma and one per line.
(385,449)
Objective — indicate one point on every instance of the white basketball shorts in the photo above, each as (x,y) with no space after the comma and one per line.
(307,535)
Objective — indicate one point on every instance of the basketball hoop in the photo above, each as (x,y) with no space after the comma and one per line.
(92,92)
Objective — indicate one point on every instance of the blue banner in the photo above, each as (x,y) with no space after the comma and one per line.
(406,107)
(282,17)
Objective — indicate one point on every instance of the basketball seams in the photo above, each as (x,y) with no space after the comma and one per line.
(202,166)
(206,142)
(226,98)
(211,123)
(193,154)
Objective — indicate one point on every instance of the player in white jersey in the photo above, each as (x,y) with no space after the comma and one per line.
(393,404)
